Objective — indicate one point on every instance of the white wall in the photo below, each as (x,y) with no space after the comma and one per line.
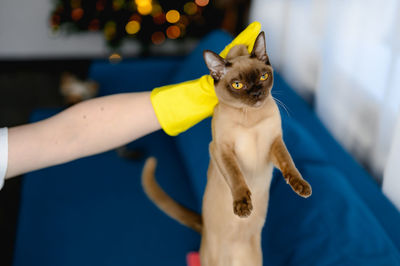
(25,34)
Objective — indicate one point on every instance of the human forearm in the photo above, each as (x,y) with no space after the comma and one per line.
(105,123)
(87,128)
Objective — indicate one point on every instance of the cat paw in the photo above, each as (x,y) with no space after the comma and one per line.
(299,185)
(242,206)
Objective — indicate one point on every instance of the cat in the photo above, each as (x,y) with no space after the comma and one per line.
(246,144)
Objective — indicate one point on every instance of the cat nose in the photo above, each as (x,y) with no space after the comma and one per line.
(256,93)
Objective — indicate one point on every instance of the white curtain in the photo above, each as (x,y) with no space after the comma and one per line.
(391,183)
(344,56)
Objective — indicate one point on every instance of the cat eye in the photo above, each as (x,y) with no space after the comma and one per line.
(264,77)
(237,85)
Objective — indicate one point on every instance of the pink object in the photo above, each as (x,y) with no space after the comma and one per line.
(193,259)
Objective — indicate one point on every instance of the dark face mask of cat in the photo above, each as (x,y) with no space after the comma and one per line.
(242,80)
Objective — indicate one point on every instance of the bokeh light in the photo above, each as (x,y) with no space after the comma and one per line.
(159,19)
(115,58)
(190,8)
(157,9)
(182,27)
(75,4)
(202,2)
(172,16)
(173,32)
(136,17)
(109,30)
(184,20)
(132,27)
(158,37)
(77,14)
(100,5)
(142,2)
(145,9)
(94,25)
(55,20)
(117,4)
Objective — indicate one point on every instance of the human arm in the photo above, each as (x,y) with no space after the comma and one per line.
(84,129)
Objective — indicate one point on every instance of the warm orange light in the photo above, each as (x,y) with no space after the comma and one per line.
(115,58)
(94,25)
(202,2)
(190,8)
(136,17)
(145,9)
(172,16)
(77,14)
(159,19)
(158,37)
(173,32)
(142,2)
(132,27)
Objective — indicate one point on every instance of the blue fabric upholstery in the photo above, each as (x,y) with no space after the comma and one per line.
(143,75)
(93,211)
(362,182)
(333,227)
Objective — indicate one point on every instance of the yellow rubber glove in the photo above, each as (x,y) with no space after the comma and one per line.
(180,106)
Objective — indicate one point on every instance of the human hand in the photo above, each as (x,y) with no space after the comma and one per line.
(180,106)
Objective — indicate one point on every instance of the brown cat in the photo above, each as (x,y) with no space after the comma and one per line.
(247,143)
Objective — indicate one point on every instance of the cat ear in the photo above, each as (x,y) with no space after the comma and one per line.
(259,49)
(216,64)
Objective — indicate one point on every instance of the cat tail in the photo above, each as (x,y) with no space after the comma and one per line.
(163,201)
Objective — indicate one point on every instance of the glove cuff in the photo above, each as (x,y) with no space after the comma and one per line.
(180,106)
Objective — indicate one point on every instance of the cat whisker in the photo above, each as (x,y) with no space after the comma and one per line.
(283,105)
(277,91)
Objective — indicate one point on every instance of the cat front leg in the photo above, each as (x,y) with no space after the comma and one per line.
(227,164)
(281,158)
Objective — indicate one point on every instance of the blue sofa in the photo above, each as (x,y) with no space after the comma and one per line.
(93,211)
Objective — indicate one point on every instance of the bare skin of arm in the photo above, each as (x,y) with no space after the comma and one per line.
(228,166)
(88,128)
(283,161)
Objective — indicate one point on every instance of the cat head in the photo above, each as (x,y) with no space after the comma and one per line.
(242,80)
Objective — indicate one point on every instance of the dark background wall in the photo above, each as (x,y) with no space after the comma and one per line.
(25,85)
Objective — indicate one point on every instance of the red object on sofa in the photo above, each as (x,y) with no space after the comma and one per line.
(193,259)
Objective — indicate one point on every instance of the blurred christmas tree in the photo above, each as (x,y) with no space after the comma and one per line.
(148,21)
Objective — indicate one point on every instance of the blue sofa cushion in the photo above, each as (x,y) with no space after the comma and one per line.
(93,211)
(133,74)
(362,183)
(332,227)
